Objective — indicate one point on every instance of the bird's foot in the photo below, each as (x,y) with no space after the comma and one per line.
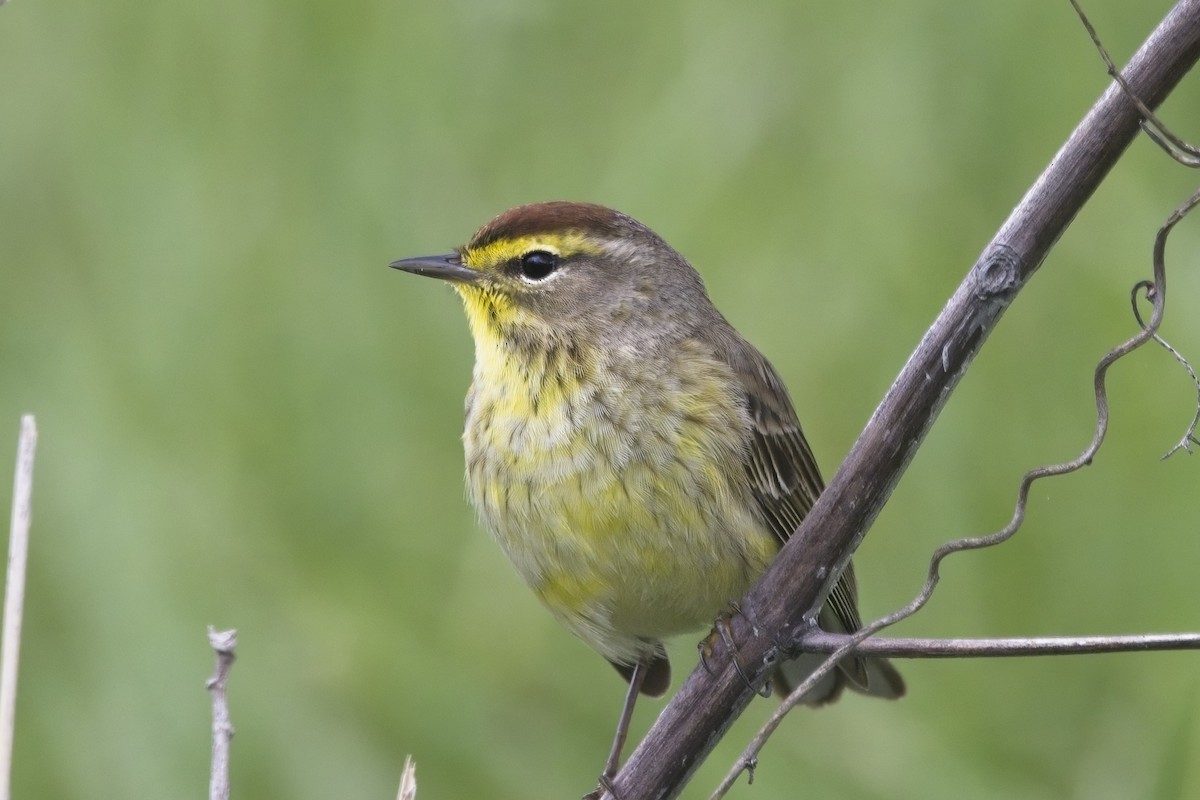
(604,785)
(723,631)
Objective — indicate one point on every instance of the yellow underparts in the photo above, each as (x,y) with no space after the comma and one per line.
(616,486)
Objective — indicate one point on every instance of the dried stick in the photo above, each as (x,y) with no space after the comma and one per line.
(223,642)
(780,607)
(907,647)
(408,781)
(14,596)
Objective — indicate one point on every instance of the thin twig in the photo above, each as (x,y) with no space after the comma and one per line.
(14,595)
(819,641)
(1148,288)
(1186,154)
(1159,133)
(223,642)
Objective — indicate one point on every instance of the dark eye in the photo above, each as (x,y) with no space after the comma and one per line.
(537,265)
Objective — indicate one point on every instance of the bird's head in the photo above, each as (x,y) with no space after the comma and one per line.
(566,270)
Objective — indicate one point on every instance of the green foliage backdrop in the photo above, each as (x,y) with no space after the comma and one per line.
(248,420)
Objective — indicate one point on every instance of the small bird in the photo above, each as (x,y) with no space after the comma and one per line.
(639,461)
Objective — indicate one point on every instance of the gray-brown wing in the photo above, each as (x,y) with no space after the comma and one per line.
(783,473)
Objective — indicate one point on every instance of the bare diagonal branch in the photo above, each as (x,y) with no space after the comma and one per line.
(781,605)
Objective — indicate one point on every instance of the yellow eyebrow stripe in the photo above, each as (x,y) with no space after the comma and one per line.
(563,244)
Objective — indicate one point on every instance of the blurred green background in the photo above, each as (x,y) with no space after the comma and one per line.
(248,420)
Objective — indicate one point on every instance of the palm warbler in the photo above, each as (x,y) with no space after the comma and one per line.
(637,459)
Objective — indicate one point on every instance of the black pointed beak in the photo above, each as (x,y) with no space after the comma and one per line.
(448,267)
